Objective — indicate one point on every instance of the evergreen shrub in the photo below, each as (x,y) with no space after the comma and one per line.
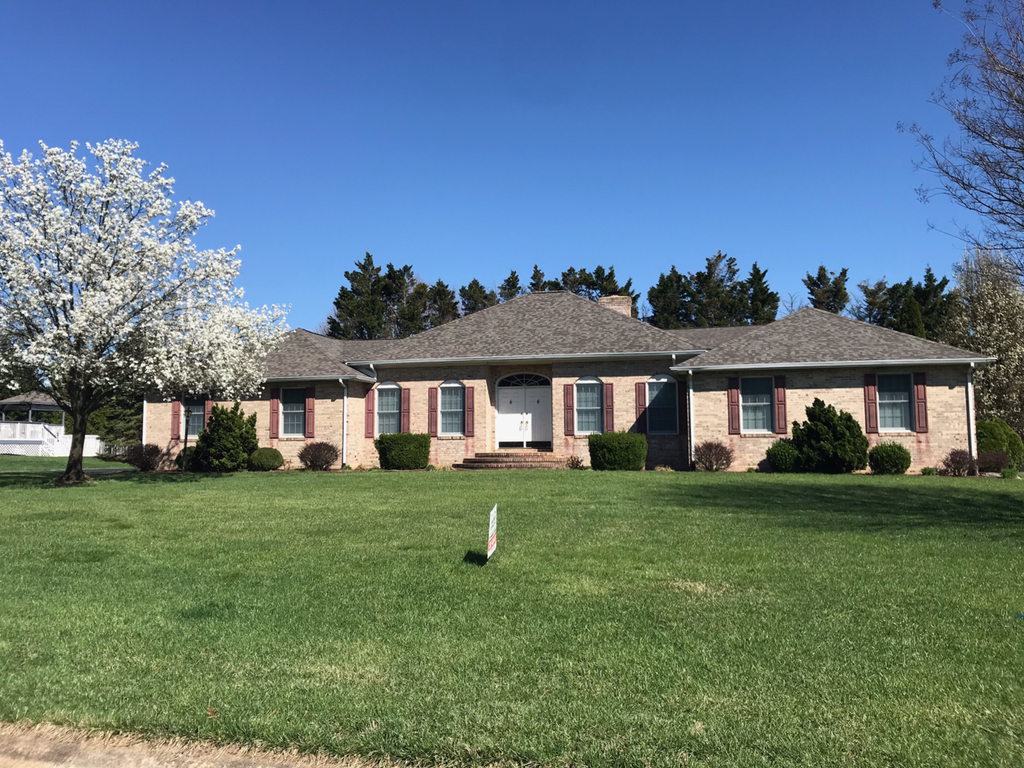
(266,460)
(712,456)
(144,458)
(185,454)
(319,456)
(782,456)
(403,450)
(889,459)
(830,441)
(227,442)
(617,450)
(929,471)
(996,435)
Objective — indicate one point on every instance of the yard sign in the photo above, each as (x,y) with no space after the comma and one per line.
(492,533)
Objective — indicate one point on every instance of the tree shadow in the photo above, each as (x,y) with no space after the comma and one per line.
(867,504)
(47,478)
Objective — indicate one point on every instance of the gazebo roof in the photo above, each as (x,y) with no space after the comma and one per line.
(37,401)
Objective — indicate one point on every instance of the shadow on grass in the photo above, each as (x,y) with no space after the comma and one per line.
(475,558)
(868,504)
(46,478)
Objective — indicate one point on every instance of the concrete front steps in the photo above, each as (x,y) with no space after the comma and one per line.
(515,459)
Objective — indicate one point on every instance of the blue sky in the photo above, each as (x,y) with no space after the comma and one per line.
(472,138)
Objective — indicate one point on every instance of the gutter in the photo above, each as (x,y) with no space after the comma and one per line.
(349,377)
(528,358)
(836,364)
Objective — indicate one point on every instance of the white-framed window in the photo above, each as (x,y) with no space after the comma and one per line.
(589,406)
(453,408)
(389,408)
(193,411)
(662,406)
(894,397)
(293,412)
(756,404)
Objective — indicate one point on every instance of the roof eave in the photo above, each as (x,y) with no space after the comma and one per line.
(320,377)
(835,364)
(582,357)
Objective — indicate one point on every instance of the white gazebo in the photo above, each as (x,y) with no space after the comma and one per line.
(27,437)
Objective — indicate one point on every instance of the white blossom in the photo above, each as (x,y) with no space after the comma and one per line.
(102,287)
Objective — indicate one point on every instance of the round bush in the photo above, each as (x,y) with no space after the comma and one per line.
(617,451)
(266,460)
(319,457)
(889,459)
(144,458)
(712,456)
(783,457)
(996,435)
(403,450)
(958,463)
(993,461)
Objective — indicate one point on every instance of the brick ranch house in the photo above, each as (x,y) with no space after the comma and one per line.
(543,371)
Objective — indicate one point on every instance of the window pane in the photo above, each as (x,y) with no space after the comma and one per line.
(589,419)
(588,395)
(661,408)
(388,403)
(756,404)
(387,423)
(387,400)
(452,410)
(589,411)
(894,401)
(195,409)
(451,398)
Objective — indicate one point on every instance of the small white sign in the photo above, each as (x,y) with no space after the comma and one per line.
(492,533)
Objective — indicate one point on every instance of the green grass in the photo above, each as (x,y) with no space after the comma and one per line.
(627,619)
(52,463)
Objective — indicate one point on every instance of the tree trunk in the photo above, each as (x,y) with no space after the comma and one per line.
(74,473)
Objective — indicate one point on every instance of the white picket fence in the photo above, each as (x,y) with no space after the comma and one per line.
(30,438)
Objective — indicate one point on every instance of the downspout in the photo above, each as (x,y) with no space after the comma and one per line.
(689,417)
(143,419)
(344,424)
(970,411)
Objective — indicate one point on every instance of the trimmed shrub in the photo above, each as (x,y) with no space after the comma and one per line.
(996,435)
(993,461)
(958,463)
(403,450)
(1010,473)
(930,471)
(144,458)
(782,456)
(889,459)
(266,460)
(319,457)
(712,456)
(227,442)
(618,451)
(830,441)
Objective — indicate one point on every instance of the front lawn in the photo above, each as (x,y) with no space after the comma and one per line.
(627,619)
(53,463)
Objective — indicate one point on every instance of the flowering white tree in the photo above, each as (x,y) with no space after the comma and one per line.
(102,288)
(987,316)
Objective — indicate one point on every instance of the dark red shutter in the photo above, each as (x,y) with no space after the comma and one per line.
(405,409)
(780,405)
(609,408)
(568,410)
(734,406)
(275,413)
(470,413)
(369,425)
(682,403)
(920,403)
(207,411)
(432,411)
(176,420)
(310,411)
(870,404)
(641,406)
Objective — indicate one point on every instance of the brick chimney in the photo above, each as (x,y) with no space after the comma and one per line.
(621,304)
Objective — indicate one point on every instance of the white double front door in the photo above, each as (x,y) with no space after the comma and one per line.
(523,416)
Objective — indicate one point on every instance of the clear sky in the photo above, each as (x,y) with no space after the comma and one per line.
(472,138)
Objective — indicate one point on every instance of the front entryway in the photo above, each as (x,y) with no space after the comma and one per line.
(523,418)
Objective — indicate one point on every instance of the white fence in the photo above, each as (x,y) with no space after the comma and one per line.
(31,438)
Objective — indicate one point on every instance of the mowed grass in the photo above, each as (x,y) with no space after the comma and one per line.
(650,619)
(52,463)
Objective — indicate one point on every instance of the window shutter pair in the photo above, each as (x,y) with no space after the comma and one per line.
(176,416)
(778,405)
(468,408)
(370,422)
(920,396)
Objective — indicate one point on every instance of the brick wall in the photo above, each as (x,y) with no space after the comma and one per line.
(843,388)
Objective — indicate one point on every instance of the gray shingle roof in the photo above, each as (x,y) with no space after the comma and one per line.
(709,338)
(551,324)
(812,336)
(302,354)
(38,401)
